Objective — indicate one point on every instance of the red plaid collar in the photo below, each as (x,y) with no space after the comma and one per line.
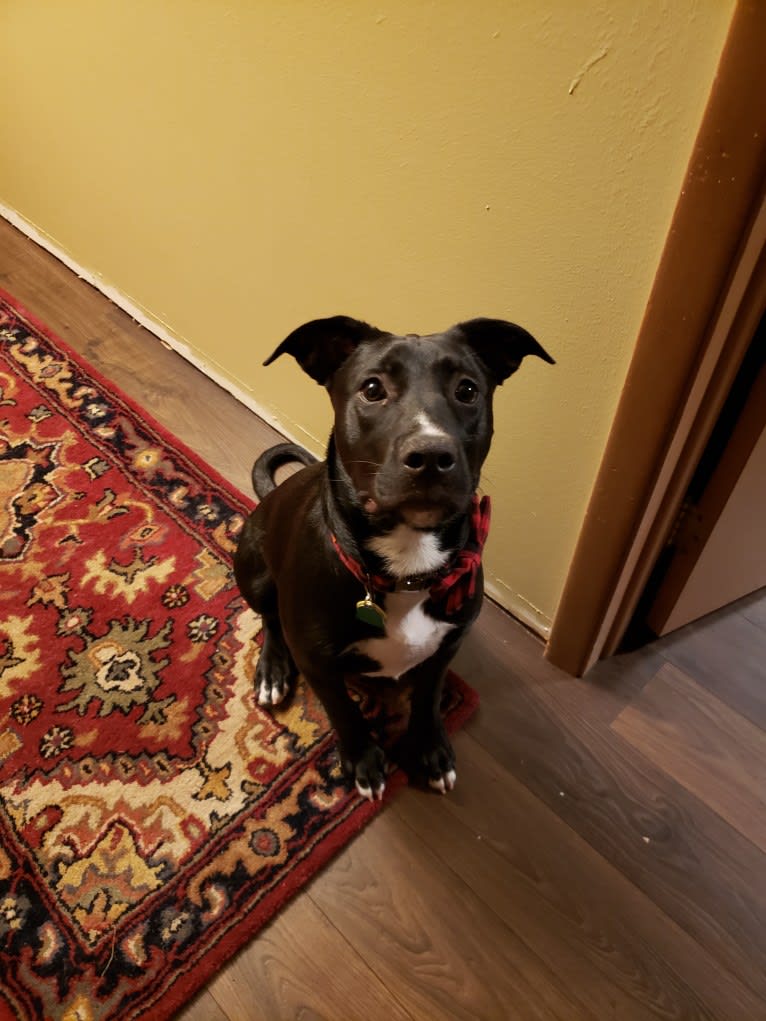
(453,584)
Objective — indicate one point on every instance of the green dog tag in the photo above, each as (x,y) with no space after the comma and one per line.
(370,613)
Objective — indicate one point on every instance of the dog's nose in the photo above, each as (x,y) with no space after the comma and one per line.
(421,456)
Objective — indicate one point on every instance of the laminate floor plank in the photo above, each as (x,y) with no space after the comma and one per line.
(611,945)
(726,653)
(708,748)
(301,967)
(753,608)
(700,871)
(204,1008)
(431,939)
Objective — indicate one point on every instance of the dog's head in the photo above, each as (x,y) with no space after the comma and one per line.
(413,414)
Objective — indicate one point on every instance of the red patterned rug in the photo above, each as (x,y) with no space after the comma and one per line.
(152,817)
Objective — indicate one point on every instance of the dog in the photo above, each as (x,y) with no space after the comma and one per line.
(369,562)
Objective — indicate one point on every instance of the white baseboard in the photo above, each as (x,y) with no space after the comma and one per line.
(518,607)
(145,319)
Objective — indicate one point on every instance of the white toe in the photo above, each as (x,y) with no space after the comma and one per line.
(444,783)
(366,792)
(276,695)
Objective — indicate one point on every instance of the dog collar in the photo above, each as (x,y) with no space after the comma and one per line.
(449,588)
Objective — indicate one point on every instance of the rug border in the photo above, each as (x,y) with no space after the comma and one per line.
(191,982)
(115,390)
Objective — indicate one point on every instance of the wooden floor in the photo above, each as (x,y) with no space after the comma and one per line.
(604,853)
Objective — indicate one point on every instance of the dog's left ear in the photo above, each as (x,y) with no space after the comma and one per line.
(500,345)
(321,346)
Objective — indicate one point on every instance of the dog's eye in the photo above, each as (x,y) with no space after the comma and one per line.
(466,391)
(373,390)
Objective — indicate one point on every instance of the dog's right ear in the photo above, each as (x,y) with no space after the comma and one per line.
(321,346)
(500,345)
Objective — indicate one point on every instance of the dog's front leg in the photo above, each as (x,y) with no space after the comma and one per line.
(361,758)
(275,671)
(426,751)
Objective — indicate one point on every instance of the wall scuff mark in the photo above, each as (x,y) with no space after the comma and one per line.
(591,63)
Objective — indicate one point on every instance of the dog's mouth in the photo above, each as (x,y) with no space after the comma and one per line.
(420,515)
(417,513)
(421,503)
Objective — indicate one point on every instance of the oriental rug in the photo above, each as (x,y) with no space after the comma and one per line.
(152,816)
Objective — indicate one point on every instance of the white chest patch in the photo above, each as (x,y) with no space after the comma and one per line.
(411,636)
(405,551)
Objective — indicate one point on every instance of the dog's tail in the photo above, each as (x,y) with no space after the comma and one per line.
(273,458)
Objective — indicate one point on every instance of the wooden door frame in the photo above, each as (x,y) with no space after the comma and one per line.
(709,285)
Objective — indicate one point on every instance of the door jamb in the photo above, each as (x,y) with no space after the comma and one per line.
(685,355)
(730,337)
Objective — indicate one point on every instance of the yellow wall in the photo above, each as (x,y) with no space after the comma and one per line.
(236,168)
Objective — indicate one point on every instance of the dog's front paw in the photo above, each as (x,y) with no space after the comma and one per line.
(428,757)
(368,772)
(439,765)
(444,782)
(272,686)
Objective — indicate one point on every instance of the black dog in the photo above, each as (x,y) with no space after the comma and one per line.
(370,561)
